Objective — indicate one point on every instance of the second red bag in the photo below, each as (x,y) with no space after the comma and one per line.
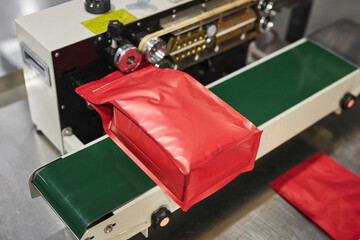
(189,141)
(326,192)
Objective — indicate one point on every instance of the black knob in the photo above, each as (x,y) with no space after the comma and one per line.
(161,218)
(347,101)
(137,37)
(115,28)
(97,6)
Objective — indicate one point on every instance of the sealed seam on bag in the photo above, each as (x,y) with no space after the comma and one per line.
(326,192)
(189,141)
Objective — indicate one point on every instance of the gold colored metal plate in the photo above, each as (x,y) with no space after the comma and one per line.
(187,44)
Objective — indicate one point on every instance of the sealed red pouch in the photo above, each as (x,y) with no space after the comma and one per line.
(185,138)
(326,192)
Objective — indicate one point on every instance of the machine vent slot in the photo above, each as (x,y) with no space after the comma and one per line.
(35,63)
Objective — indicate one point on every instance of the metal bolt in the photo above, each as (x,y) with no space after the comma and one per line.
(67,131)
(138,24)
(99,39)
(269,7)
(57,54)
(62,107)
(269,26)
(108,228)
(272,14)
(203,6)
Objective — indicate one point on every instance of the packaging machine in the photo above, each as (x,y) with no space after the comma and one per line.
(96,189)
(69,52)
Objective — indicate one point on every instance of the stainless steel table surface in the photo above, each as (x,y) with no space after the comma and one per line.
(247,208)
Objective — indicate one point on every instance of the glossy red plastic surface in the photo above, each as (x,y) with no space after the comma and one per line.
(327,193)
(189,141)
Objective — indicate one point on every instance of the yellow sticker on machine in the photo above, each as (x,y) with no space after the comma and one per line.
(99,24)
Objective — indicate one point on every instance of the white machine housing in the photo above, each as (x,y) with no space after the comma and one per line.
(39,40)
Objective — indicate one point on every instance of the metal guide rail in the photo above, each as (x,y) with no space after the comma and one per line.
(98,191)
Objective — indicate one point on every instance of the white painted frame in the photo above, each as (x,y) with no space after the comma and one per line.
(42,39)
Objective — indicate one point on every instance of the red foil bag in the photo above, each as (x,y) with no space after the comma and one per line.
(185,138)
(326,192)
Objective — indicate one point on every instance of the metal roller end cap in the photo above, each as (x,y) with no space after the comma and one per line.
(97,6)
(155,50)
(127,58)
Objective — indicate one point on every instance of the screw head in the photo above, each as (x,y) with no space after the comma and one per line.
(108,229)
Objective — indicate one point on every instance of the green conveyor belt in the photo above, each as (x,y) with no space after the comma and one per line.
(88,184)
(274,86)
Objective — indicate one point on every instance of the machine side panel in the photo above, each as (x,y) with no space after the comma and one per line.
(133,217)
(42,98)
